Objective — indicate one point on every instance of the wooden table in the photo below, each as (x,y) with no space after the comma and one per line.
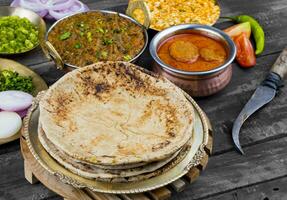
(260,175)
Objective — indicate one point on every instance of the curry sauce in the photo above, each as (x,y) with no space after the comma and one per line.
(90,37)
(192,52)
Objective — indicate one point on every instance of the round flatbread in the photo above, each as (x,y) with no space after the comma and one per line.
(113,113)
(90,171)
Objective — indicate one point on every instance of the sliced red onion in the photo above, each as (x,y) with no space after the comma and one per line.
(52,8)
(22,113)
(48,16)
(43,13)
(15,3)
(15,100)
(75,8)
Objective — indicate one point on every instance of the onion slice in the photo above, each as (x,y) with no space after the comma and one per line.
(22,113)
(13,100)
(74,8)
(56,9)
(10,124)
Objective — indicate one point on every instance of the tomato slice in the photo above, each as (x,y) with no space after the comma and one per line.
(245,55)
(237,29)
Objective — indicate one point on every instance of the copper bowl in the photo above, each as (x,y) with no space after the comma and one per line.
(196,83)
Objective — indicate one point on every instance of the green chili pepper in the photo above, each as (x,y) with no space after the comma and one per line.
(256,29)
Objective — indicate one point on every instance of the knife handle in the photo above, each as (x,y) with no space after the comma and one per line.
(280,66)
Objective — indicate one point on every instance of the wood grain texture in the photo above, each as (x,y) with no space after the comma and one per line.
(263,136)
(230,171)
(160,194)
(270,14)
(271,190)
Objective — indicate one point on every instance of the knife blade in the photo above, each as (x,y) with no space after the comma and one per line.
(262,95)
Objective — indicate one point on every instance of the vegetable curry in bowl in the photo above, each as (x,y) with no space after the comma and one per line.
(192,52)
(93,36)
(195,57)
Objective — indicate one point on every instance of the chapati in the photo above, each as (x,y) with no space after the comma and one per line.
(113,113)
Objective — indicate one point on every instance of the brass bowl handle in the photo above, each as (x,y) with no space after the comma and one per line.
(141,5)
(52,53)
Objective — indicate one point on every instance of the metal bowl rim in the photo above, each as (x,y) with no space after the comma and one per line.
(108,12)
(156,40)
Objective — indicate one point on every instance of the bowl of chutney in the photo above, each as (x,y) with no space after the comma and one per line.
(197,58)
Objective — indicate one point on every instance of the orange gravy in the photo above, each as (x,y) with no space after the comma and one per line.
(202,43)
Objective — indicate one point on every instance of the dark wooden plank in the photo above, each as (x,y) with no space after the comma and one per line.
(9,147)
(271,190)
(230,170)
(225,172)
(267,124)
(13,184)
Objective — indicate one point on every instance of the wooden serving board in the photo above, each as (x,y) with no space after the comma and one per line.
(34,173)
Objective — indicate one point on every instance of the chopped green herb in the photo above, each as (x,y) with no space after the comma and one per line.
(104,55)
(17,34)
(10,80)
(98,54)
(89,36)
(101,55)
(127,57)
(107,41)
(65,35)
(100,30)
(123,29)
(78,45)
(82,33)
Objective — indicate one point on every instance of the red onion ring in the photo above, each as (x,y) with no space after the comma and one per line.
(52,8)
(74,8)
(22,113)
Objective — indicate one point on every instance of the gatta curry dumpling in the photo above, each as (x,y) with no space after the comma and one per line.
(192,52)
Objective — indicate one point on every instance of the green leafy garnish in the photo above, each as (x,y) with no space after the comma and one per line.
(107,41)
(104,54)
(101,55)
(65,35)
(100,30)
(127,57)
(89,36)
(10,80)
(78,45)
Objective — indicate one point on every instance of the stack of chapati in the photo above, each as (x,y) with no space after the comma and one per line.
(114,122)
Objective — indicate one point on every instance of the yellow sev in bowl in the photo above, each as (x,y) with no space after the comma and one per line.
(166,13)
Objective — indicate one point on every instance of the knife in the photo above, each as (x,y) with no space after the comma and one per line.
(262,95)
